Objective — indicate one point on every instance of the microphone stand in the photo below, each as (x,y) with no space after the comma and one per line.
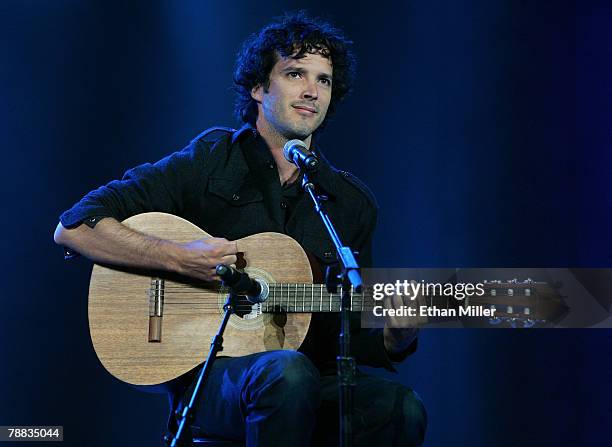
(349,276)
(216,345)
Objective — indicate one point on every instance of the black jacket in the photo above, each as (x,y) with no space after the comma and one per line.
(226,183)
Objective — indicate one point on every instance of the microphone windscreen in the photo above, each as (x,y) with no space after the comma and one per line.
(291,143)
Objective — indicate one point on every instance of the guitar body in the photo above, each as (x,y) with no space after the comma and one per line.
(148,328)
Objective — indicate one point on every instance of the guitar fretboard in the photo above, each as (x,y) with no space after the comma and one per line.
(299,298)
(296,298)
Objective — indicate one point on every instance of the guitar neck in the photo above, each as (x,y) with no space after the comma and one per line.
(312,298)
(307,298)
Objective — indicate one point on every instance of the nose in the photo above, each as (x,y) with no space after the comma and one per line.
(310,91)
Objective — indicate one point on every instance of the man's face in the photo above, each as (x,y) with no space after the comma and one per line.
(297,98)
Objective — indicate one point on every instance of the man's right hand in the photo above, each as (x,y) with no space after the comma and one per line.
(111,242)
(200,258)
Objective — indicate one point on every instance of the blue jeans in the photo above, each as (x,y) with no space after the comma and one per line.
(278,398)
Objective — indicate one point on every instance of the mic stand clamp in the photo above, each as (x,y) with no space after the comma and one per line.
(186,415)
(349,276)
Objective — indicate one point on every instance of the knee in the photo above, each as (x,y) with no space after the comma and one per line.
(399,410)
(414,417)
(394,413)
(286,375)
(297,373)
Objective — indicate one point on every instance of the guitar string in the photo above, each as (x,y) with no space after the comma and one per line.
(301,298)
(284,290)
(271,309)
(281,288)
(192,311)
(288,300)
(284,308)
(287,304)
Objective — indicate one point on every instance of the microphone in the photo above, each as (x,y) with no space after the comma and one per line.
(241,283)
(297,152)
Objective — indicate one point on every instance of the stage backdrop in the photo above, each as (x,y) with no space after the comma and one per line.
(482,127)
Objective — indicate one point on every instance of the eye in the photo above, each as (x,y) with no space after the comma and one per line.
(294,74)
(325,81)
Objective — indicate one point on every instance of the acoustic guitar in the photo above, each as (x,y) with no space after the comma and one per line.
(149,328)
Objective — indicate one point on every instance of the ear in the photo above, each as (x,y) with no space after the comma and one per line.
(257,93)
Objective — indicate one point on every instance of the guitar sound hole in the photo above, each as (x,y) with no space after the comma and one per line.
(280,319)
(243,307)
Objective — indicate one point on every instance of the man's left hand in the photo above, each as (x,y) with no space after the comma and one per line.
(399,331)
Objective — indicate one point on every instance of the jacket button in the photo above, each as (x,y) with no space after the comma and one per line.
(284,205)
(235,197)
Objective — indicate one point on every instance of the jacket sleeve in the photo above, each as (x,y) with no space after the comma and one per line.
(165,186)
(367,345)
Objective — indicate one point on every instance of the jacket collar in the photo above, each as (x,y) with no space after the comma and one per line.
(244,131)
(327,176)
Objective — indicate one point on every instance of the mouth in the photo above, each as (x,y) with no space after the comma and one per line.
(305,110)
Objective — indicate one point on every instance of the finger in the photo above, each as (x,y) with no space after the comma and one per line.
(227,247)
(205,275)
(228,259)
(397,301)
(231,247)
(212,274)
(217,241)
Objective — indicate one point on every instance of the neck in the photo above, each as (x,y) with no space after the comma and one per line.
(287,171)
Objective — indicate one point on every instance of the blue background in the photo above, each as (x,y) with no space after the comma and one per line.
(483,127)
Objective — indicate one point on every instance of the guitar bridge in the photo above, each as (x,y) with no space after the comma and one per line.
(156,306)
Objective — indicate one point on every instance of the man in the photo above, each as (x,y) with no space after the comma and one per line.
(289,78)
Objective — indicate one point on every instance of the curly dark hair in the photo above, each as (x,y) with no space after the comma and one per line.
(292,35)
